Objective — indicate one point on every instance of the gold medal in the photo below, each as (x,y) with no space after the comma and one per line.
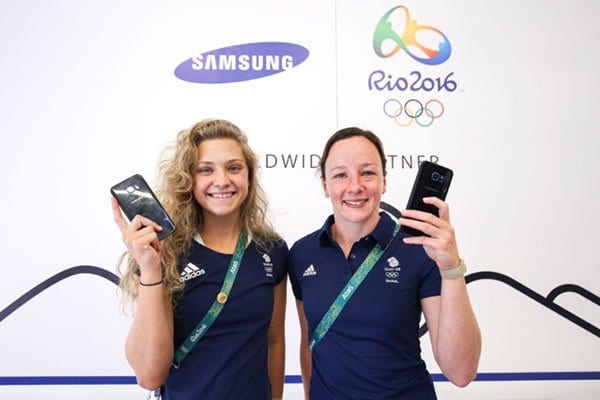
(222,298)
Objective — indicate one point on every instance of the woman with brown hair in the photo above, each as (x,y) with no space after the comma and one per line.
(361,286)
(210,298)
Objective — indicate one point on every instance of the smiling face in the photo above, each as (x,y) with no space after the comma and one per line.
(220,178)
(354,180)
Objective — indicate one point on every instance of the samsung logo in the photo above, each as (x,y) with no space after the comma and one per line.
(241,62)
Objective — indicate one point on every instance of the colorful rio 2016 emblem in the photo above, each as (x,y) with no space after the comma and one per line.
(384,32)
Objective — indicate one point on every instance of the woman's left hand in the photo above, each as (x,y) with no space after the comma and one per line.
(440,245)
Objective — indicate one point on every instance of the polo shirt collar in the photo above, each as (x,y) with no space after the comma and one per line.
(382,234)
(325,236)
(384,230)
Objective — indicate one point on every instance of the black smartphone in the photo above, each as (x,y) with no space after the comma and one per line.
(433,180)
(135,197)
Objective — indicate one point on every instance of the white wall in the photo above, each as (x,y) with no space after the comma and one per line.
(89,96)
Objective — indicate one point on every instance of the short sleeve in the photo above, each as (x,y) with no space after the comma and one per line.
(431,284)
(295,278)
(281,266)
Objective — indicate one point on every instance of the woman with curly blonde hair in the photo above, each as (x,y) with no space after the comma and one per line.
(210,298)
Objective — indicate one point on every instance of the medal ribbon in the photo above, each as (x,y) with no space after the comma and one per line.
(336,307)
(213,312)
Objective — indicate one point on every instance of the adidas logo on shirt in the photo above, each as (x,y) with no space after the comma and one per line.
(190,272)
(310,271)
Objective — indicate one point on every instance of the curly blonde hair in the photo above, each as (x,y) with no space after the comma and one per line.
(175,190)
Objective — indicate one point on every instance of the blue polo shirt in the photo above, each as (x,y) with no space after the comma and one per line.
(372,350)
(230,361)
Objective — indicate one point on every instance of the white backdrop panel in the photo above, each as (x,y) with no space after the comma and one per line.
(89,96)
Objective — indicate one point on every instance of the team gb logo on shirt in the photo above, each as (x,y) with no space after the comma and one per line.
(392,270)
(267,265)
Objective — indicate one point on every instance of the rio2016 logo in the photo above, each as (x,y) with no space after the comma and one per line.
(386,43)
(384,31)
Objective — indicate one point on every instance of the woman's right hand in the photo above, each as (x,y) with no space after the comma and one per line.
(141,240)
(149,345)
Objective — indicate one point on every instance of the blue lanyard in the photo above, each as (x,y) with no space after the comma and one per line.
(213,312)
(336,307)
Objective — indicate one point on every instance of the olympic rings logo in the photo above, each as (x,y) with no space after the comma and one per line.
(413,110)
(392,275)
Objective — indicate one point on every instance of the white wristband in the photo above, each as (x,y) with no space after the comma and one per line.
(454,273)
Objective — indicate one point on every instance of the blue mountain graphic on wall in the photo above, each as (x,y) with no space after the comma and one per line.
(547,301)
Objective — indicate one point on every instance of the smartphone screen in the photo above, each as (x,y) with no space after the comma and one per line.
(433,180)
(136,198)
